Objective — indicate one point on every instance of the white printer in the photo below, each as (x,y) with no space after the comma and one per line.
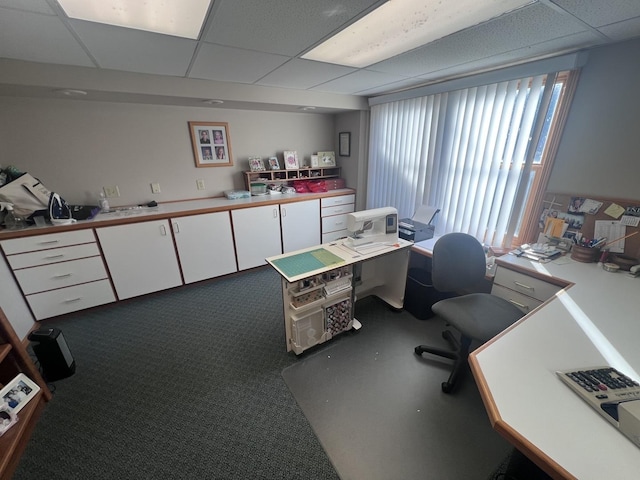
(415,229)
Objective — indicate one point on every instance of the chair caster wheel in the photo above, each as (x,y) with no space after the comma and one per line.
(418,350)
(446,387)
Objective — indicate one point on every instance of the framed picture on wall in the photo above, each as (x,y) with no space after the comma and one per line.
(211,142)
(344,143)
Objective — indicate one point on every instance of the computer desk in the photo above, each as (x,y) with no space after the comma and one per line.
(592,321)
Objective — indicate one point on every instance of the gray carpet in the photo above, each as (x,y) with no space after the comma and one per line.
(187,384)
(179,385)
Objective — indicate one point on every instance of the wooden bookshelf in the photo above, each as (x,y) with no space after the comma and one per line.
(288,176)
(14,359)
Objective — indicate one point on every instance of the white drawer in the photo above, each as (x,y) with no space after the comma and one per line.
(41,242)
(533,287)
(331,236)
(339,200)
(523,302)
(59,275)
(44,257)
(337,210)
(336,222)
(70,299)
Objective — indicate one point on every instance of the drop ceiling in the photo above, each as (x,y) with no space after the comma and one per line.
(259,43)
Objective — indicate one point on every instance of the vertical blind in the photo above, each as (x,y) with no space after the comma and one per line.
(462,151)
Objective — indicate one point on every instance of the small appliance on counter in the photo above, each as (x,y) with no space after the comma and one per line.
(415,229)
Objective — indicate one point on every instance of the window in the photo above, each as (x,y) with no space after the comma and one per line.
(470,153)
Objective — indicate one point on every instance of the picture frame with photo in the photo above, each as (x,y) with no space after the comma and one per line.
(344,142)
(18,392)
(327,159)
(273,163)
(211,143)
(291,160)
(8,418)
(256,164)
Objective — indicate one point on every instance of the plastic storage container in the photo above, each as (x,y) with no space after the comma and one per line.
(419,294)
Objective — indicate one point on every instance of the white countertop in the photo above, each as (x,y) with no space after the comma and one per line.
(172,209)
(593,322)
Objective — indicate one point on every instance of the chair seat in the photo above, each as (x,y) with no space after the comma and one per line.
(481,316)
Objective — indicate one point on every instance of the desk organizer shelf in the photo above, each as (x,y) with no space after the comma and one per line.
(288,176)
(337,316)
(307,330)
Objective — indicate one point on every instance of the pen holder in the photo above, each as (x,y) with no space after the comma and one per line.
(585,254)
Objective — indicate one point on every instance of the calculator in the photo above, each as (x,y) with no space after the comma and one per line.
(611,393)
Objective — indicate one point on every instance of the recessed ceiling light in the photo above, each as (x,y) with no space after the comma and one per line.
(306,109)
(69,92)
(213,102)
(402,25)
(181,18)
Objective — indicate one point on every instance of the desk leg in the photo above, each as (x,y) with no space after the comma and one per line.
(385,277)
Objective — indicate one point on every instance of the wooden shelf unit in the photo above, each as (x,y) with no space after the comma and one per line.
(14,359)
(288,176)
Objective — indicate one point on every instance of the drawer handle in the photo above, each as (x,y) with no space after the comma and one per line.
(71,300)
(48,242)
(64,275)
(176,227)
(339,223)
(49,257)
(524,286)
(519,305)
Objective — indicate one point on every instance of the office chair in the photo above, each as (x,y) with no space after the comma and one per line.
(459,263)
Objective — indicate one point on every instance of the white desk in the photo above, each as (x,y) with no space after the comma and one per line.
(595,321)
(379,271)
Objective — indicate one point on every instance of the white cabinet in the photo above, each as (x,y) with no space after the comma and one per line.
(141,257)
(256,233)
(59,273)
(300,225)
(205,245)
(334,212)
(524,291)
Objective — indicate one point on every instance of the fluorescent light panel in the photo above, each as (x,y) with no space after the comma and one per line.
(180,18)
(402,25)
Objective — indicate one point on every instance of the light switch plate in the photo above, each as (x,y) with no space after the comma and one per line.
(200,184)
(111,191)
(155,188)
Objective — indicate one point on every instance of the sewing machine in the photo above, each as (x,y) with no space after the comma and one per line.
(375,226)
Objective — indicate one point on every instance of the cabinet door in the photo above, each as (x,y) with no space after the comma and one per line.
(141,257)
(205,245)
(300,225)
(256,232)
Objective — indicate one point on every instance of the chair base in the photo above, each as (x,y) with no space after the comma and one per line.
(458,354)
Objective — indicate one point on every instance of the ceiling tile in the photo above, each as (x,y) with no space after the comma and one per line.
(286,27)
(38,38)
(600,12)
(622,30)
(37,6)
(226,64)
(303,74)
(357,81)
(556,46)
(524,28)
(120,48)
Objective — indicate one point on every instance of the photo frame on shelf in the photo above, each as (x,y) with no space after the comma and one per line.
(314,161)
(327,159)
(344,144)
(273,163)
(291,160)
(18,392)
(211,142)
(256,164)
(7,417)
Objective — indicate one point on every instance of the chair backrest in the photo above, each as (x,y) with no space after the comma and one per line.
(458,262)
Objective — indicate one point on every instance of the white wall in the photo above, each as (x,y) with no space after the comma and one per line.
(599,150)
(77,147)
